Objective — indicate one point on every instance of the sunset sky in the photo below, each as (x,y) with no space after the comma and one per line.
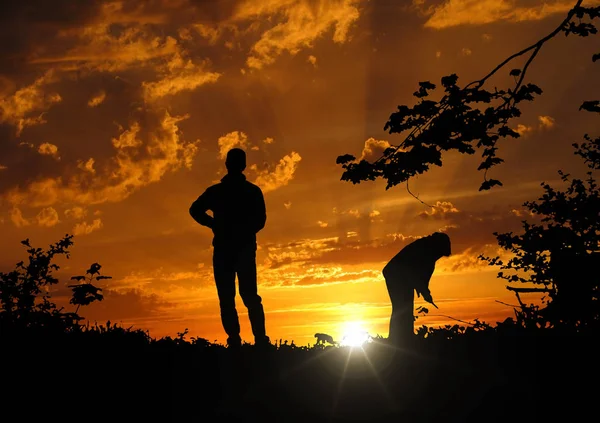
(116,115)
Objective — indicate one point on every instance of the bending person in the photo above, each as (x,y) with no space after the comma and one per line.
(411,269)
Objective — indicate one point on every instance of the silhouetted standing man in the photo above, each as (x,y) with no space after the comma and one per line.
(411,269)
(239,212)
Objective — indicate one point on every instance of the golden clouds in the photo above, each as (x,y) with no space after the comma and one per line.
(281,175)
(83,228)
(179,74)
(231,140)
(97,99)
(76,213)
(18,108)
(478,12)
(16,217)
(87,166)
(144,154)
(99,48)
(523,130)
(546,122)
(373,149)
(303,22)
(47,217)
(48,149)
(440,210)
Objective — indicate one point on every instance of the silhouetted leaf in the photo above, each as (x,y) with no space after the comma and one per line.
(450,80)
(515,72)
(94,268)
(590,106)
(596,57)
(346,158)
(485,185)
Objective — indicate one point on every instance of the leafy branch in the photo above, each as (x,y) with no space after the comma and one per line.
(25,293)
(457,121)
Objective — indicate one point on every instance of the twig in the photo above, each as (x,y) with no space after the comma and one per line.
(506,304)
(450,317)
(417,196)
(536,46)
(528,290)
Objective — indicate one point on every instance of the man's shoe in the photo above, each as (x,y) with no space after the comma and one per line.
(234,342)
(262,342)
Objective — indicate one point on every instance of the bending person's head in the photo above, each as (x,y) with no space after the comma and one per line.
(236,160)
(441,242)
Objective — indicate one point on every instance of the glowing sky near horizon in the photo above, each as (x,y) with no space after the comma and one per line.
(115,116)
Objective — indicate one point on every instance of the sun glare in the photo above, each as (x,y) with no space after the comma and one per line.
(354,335)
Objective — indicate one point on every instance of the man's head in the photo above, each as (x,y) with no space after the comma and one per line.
(442,243)
(236,160)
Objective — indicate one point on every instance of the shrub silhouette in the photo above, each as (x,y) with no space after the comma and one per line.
(561,254)
(25,293)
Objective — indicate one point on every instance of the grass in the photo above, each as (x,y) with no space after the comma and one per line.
(110,372)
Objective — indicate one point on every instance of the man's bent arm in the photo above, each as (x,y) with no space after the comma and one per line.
(261,211)
(198,211)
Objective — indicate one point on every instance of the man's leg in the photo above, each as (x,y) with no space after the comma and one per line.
(246,271)
(402,298)
(224,271)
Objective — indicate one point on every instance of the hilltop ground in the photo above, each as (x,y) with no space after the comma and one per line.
(483,377)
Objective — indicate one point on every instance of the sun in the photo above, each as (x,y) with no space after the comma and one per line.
(354,335)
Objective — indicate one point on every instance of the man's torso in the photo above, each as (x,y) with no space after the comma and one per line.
(235,206)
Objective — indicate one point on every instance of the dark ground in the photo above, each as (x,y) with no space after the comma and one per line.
(480,378)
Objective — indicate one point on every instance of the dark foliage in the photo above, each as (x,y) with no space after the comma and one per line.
(560,255)
(455,373)
(25,293)
(466,119)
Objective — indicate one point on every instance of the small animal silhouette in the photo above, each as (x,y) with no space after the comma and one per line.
(322,338)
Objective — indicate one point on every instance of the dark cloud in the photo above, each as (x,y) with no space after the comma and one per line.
(29,26)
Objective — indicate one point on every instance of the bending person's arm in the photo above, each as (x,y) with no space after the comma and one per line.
(422,284)
(198,210)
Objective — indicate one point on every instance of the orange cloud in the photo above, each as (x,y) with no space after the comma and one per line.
(97,99)
(76,212)
(87,166)
(546,122)
(373,149)
(98,48)
(143,156)
(479,12)
(48,149)
(231,140)
(47,217)
(179,74)
(18,108)
(16,217)
(440,210)
(303,22)
(84,228)
(281,175)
